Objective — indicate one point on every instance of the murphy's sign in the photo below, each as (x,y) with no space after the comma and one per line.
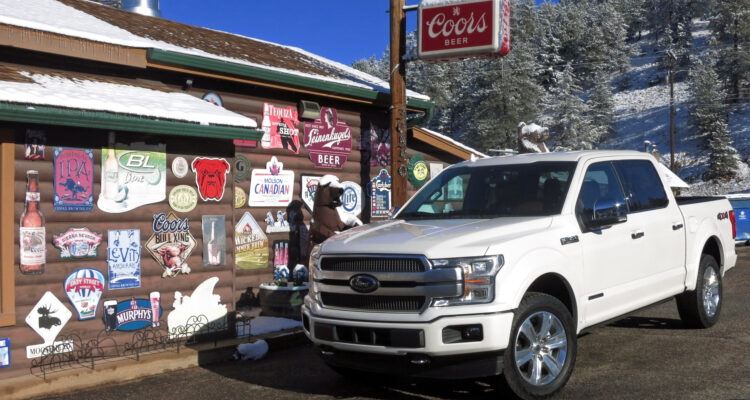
(460,28)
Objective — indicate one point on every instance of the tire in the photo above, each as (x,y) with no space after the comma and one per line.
(700,308)
(538,319)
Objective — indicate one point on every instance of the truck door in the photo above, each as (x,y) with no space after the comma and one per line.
(660,225)
(610,254)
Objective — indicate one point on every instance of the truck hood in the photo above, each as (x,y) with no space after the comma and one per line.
(442,238)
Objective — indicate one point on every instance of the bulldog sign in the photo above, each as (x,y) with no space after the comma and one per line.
(460,28)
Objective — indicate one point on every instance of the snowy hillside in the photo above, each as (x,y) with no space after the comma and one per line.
(642,113)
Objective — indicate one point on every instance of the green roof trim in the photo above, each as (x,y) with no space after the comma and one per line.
(119,122)
(248,71)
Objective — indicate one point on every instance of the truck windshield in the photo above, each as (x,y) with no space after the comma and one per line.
(514,190)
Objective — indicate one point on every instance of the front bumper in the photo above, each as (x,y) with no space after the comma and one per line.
(408,338)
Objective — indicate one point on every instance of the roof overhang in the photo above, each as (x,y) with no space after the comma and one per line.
(443,143)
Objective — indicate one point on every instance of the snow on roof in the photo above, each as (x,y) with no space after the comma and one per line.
(96,22)
(84,94)
(457,143)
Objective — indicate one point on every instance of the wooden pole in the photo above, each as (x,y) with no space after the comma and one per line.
(398,103)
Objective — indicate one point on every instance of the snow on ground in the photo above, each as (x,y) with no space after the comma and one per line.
(262,325)
(116,98)
(642,113)
(52,16)
(252,351)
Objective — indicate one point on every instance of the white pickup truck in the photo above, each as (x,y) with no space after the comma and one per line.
(496,265)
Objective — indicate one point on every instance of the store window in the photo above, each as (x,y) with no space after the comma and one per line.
(7,241)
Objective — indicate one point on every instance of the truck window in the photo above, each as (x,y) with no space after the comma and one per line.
(493,191)
(643,187)
(599,184)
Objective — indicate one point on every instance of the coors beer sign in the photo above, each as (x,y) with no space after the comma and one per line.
(460,28)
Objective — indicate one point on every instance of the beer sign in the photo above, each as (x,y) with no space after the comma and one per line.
(124,258)
(47,318)
(77,243)
(460,28)
(351,198)
(380,193)
(328,139)
(74,179)
(84,289)
(132,177)
(171,244)
(272,186)
(131,315)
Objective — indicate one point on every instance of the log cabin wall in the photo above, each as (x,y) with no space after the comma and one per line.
(30,288)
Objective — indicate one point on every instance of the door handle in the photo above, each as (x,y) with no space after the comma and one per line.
(637,235)
(676,227)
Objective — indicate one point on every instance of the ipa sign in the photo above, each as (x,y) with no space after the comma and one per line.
(460,28)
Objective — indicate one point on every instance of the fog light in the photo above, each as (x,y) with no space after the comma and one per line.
(472,333)
(463,333)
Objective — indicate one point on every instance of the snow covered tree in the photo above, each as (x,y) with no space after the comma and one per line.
(731,36)
(374,66)
(567,116)
(708,116)
(602,108)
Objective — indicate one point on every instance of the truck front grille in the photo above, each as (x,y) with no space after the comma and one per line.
(372,264)
(375,303)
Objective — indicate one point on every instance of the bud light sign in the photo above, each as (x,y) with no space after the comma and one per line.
(461,28)
(351,198)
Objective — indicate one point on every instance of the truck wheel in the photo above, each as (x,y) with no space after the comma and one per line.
(700,308)
(542,348)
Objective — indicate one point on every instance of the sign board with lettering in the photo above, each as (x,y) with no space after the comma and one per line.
(351,198)
(47,318)
(462,28)
(280,128)
(272,186)
(250,244)
(135,314)
(84,288)
(124,258)
(171,244)
(132,177)
(74,179)
(380,193)
(328,139)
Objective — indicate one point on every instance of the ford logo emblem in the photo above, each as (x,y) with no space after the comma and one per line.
(364,283)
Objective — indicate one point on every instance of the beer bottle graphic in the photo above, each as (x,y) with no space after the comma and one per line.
(213,247)
(266,126)
(110,171)
(32,231)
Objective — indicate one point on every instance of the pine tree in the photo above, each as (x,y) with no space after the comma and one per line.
(602,108)
(708,116)
(567,116)
(731,36)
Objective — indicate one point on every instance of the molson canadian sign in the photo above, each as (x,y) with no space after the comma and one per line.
(328,139)
(461,28)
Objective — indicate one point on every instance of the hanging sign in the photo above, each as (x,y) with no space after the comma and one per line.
(214,240)
(133,314)
(132,177)
(36,143)
(47,318)
(77,243)
(74,179)
(179,167)
(171,244)
(202,302)
(380,192)
(419,173)
(183,198)
(84,289)
(351,198)
(210,177)
(308,186)
(272,186)
(280,128)
(328,139)
(250,244)
(463,28)
(4,352)
(124,258)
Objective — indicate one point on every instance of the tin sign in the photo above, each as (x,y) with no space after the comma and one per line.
(419,172)
(84,289)
(308,186)
(124,258)
(74,179)
(171,244)
(179,167)
(214,240)
(328,139)
(250,244)
(36,142)
(272,186)
(462,28)
(240,197)
(280,128)
(380,193)
(47,318)
(77,243)
(183,198)
(4,352)
(135,314)
(241,168)
(351,198)
(132,177)
(210,177)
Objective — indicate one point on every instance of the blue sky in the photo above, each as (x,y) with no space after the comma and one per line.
(342,30)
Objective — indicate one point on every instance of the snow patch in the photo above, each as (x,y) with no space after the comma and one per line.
(252,351)
(263,325)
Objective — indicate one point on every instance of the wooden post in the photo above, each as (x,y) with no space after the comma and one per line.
(398,103)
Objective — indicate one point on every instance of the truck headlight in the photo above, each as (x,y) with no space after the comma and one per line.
(314,271)
(479,279)
(315,257)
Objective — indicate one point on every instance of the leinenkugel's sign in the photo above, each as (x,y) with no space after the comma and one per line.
(461,28)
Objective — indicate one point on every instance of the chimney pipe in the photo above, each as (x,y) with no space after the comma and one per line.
(143,7)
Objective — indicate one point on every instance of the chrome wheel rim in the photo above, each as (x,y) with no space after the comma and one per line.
(541,348)
(710,293)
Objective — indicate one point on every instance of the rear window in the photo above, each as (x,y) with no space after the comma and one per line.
(642,185)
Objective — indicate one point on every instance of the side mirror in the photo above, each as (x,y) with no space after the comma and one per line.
(607,213)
